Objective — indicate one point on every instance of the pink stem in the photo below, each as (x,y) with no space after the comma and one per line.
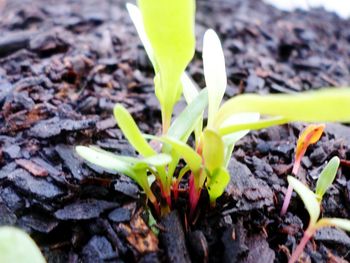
(286,201)
(300,248)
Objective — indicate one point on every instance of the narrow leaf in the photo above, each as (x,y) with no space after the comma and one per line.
(105,159)
(110,161)
(254,125)
(17,246)
(131,131)
(330,104)
(327,176)
(335,222)
(214,72)
(308,197)
(191,91)
(190,88)
(213,150)
(217,183)
(184,124)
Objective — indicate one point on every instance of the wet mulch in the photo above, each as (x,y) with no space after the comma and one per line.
(64,65)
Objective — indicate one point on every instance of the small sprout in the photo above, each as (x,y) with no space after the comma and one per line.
(169,26)
(17,246)
(310,135)
(166,29)
(312,202)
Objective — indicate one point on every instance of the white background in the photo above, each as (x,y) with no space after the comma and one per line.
(341,7)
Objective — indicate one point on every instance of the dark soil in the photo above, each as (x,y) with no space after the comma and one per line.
(63,66)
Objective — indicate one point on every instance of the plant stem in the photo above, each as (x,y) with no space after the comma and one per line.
(286,201)
(300,248)
(288,195)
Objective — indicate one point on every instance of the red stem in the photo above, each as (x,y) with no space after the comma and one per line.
(193,196)
(300,248)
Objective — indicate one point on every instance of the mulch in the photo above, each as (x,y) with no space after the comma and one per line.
(64,65)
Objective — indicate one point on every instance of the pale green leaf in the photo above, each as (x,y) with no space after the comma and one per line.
(230,139)
(136,18)
(131,131)
(191,157)
(330,104)
(116,163)
(190,88)
(169,26)
(16,246)
(214,72)
(327,176)
(105,159)
(217,183)
(191,91)
(335,222)
(213,150)
(184,124)
(308,197)
(254,125)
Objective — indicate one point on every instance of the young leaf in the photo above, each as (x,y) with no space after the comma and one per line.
(252,125)
(131,131)
(191,91)
(214,72)
(190,88)
(331,104)
(327,176)
(17,246)
(106,160)
(192,158)
(217,183)
(169,26)
(308,197)
(335,222)
(184,124)
(213,150)
(310,135)
(230,139)
(136,18)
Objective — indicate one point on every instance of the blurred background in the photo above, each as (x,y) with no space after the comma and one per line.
(341,7)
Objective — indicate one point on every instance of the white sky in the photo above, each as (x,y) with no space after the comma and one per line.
(342,7)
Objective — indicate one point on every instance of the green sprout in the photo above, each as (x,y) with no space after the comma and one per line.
(310,135)
(312,202)
(166,29)
(17,246)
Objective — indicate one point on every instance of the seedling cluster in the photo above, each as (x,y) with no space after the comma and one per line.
(169,41)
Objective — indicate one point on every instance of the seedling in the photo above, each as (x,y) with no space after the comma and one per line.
(17,246)
(312,202)
(310,135)
(166,29)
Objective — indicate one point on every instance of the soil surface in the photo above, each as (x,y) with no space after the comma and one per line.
(63,66)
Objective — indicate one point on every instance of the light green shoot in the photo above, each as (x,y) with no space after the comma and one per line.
(326,177)
(312,202)
(169,26)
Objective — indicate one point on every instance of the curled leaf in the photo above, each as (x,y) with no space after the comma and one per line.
(310,135)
